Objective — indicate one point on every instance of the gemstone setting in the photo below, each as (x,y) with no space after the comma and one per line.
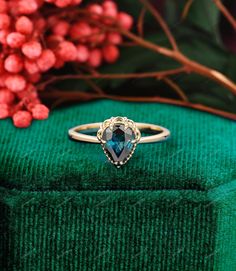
(119,137)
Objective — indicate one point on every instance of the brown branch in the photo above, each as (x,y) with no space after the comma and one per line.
(140,23)
(176,88)
(94,86)
(190,65)
(226,13)
(85,96)
(158,75)
(186,9)
(128,44)
(89,82)
(161,22)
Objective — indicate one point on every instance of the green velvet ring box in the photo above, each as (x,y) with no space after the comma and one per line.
(171,207)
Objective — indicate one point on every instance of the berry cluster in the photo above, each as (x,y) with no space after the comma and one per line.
(34,40)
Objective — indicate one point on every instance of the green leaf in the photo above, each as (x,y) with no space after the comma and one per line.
(203,14)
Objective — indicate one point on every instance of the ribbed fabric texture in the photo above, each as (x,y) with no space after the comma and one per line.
(119,230)
(171,208)
(201,153)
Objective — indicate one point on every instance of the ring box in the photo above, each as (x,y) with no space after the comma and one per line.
(171,207)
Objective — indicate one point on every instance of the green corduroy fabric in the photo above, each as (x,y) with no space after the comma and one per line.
(171,207)
(200,155)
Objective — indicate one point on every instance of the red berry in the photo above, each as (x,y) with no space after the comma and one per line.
(40,112)
(13,63)
(2,70)
(4,111)
(31,66)
(40,24)
(96,10)
(27,7)
(29,92)
(15,40)
(54,40)
(3,6)
(32,49)
(95,58)
(15,83)
(32,43)
(76,2)
(109,4)
(61,28)
(67,51)
(46,61)
(114,38)
(52,20)
(6,96)
(82,53)
(125,20)
(24,25)
(110,53)
(59,63)
(97,36)
(4,21)
(22,119)
(3,36)
(34,78)
(62,3)
(80,31)
(109,11)
(3,78)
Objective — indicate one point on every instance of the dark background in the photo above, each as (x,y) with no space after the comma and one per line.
(203,35)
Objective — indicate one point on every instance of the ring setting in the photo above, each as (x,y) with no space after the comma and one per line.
(119,137)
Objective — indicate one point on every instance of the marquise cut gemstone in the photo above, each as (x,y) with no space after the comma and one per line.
(118,142)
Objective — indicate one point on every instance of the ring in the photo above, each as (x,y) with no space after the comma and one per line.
(119,137)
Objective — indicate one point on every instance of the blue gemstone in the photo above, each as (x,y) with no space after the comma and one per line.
(118,142)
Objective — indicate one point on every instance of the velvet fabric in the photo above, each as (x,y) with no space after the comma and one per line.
(171,207)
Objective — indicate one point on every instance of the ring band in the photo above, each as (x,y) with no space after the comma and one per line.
(74,132)
(119,137)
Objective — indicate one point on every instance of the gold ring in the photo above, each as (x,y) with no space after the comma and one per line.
(119,137)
